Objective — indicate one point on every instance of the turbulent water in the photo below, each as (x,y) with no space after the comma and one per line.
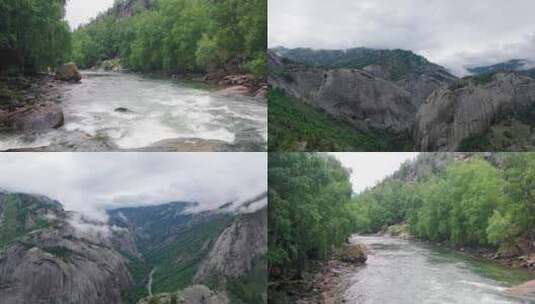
(159,109)
(400,271)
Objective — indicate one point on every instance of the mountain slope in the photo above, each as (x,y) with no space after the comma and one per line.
(45,259)
(456,114)
(227,259)
(438,110)
(522,66)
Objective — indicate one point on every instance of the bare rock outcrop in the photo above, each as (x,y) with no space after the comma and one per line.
(53,261)
(196,294)
(354,95)
(453,114)
(237,247)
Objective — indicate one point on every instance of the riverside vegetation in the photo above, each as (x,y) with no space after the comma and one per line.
(221,43)
(478,203)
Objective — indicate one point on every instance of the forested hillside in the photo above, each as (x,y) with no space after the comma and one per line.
(33,35)
(177,35)
(470,201)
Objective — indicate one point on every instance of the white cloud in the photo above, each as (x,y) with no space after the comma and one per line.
(368,169)
(453,33)
(81,11)
(91,182)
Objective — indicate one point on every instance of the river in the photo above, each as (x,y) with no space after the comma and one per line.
(401,271)
(158,109)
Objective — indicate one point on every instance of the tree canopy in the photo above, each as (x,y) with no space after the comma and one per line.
(33,35)
(179,35)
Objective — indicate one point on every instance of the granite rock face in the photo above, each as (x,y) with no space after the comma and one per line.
(354,95)
(49,260)
(451,115)
(438,109)
(237,247)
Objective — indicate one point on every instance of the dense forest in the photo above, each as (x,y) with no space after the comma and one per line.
(178,35)
(309,200)
(476,201)
(171,35)
(465,199)
(33,35)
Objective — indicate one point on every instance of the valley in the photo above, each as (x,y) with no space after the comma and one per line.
(141,255)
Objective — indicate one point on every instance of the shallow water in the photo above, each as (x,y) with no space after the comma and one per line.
(400,271)
(159,109)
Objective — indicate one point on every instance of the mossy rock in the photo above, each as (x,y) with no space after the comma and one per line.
(354,253)
(68,72)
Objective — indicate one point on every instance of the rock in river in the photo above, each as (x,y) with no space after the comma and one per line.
(525,290)
(36,118)
(354,253)
(68,72)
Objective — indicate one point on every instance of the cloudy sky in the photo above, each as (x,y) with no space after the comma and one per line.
(371,168)
(453,33)
(90,182)
(80,11)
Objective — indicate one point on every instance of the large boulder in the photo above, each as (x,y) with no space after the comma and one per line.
(68,72)
(36,118)
(354,253)
(525,290)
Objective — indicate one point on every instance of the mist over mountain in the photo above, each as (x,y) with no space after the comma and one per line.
(91,183)
(142,254)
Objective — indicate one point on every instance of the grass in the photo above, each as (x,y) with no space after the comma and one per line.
(296,126)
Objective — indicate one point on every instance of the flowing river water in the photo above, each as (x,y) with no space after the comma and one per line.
(401,271)
(157,109)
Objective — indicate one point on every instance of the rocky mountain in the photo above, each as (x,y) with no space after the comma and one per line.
(439,110)
(522,66)
(48,255)
(44,258)
(452,115)
(237,248)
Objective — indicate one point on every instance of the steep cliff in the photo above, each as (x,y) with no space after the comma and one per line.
(44,258)
(454,114)
(237,248)
(355,95)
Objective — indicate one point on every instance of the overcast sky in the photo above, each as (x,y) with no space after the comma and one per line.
(90,182)
(80,11)
(453,33)
(371,168)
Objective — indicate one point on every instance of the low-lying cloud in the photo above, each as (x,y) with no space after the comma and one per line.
(89,183)
(454,33)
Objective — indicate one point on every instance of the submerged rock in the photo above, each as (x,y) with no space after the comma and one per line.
(354,253)
(123,110)
(525,290)
(68,72)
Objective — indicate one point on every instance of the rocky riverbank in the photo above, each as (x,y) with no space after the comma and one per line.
(30,104)
(325,282)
